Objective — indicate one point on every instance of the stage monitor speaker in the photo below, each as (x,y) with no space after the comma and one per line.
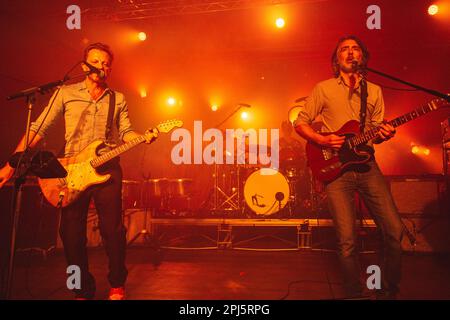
(419,195)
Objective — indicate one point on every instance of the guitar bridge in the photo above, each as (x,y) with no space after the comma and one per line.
(329,153)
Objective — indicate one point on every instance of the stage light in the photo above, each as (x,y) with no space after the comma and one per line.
(171,101)
(244,115)
(142,36)
(214,107)
(433,9)
(280,23)
(420,150)
(143,93)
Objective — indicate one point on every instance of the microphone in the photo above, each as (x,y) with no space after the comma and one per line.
(356,67)
(93,69)
(244,105)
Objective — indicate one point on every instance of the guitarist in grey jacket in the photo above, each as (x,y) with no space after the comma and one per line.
(339,100)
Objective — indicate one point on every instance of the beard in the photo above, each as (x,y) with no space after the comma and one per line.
(346,69)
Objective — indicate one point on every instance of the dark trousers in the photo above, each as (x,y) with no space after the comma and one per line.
(369,182)
(108,202)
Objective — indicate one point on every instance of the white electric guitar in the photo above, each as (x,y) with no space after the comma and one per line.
(81,169)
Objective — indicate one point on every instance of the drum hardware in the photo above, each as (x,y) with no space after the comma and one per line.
(230,202)
(149,185)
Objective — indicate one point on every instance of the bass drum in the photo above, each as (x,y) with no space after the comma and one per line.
(266,192)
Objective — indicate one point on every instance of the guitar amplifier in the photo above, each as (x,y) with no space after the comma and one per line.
(419,195)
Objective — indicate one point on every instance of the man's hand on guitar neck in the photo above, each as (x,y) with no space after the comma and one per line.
(150,135)
(386,132)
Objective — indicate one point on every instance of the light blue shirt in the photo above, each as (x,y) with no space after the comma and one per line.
(85,118)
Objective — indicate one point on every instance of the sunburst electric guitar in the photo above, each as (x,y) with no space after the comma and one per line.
(82,168)
(327,163)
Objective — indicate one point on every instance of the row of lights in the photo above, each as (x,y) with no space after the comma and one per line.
(279,23)
(172,101)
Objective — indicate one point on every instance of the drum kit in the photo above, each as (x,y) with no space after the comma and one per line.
(239,190)
(245,191)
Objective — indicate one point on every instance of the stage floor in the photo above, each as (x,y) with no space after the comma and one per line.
(217,274)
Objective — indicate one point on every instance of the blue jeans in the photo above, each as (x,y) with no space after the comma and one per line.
(369,182)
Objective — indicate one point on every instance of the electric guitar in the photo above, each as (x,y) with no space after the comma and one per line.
(81,169)
(327,163)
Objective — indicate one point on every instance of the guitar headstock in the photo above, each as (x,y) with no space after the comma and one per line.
(169,125)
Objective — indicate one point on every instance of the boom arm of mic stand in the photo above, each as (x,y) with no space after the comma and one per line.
(42,89)
(225,120)
(430,91)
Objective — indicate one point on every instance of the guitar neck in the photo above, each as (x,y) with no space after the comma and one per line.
(369,135)
(97,162)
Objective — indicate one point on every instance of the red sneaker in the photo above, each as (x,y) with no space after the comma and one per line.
(117,293)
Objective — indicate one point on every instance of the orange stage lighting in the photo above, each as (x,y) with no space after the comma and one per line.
(143,93)
(171,101)
(214,107)
(433,9)
(420,150)
(280,23)
(244,115)
(142,36)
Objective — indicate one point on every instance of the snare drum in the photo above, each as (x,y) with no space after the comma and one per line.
(266,191)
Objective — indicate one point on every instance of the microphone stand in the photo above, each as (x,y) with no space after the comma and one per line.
(23,166)
(415,86)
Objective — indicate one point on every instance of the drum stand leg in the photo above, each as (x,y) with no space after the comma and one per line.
(217,193)
(228,199)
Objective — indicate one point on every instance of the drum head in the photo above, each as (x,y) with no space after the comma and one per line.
(266,191)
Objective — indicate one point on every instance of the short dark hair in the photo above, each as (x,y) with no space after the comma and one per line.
(99,46)
(334,60)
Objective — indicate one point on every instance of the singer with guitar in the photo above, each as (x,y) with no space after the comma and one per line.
(91,111)
(348,96)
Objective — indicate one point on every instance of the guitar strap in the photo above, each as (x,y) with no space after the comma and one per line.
(112,104)
(363,110)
